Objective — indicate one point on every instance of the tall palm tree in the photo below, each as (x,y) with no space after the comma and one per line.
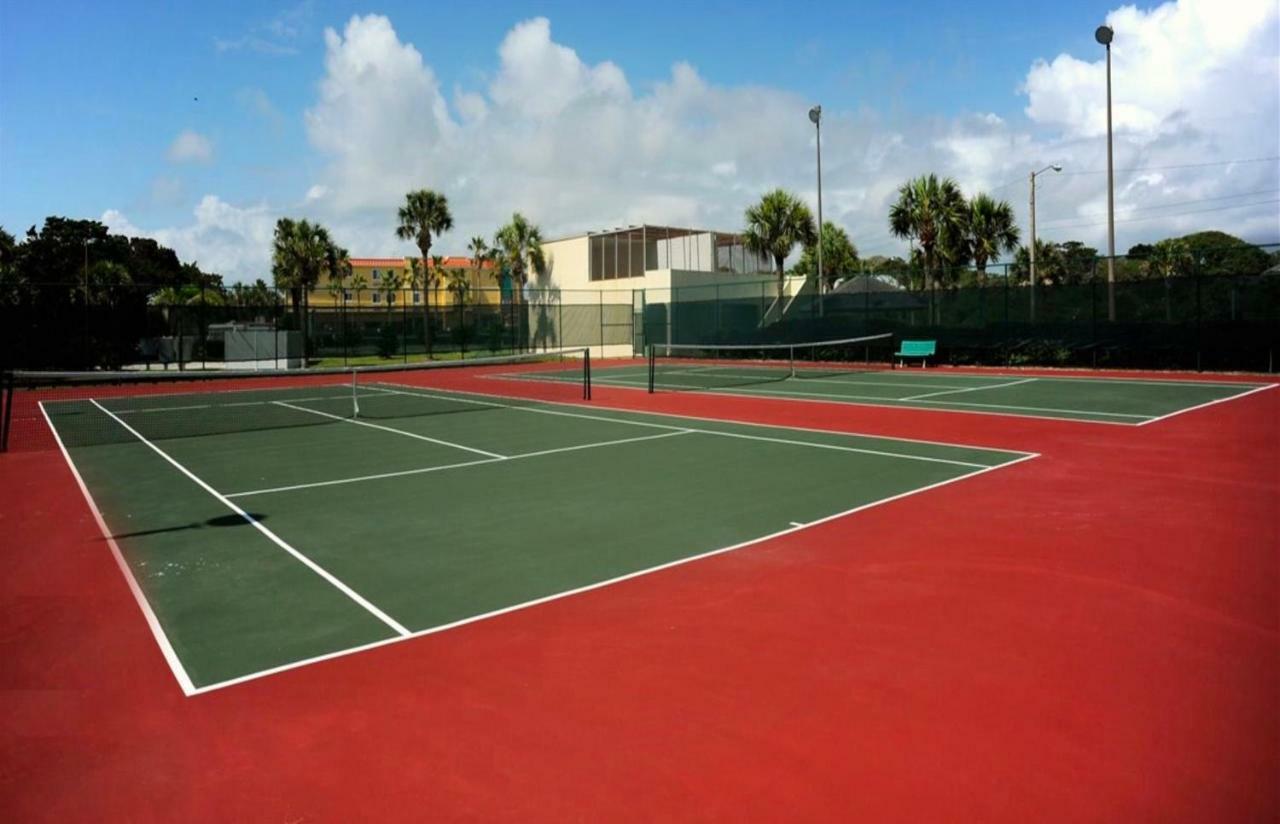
(300,252)
(338,267)
(775,226)
(990,231)
(424,216)
(931,211)
(518,247)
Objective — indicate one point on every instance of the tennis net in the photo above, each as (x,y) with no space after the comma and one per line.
(676,367)
(94,408)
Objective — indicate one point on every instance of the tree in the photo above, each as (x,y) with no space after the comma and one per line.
(480,255)
(839,256)
(1169,259)
(775,226)
(932,212)
(337,264)
(424,216)
(518,247)
(392,281)
(990,231)
(459,285)
(301,251)
(1049,264)
(1218,253)
(1078,262)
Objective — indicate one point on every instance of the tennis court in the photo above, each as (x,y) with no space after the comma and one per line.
(267,528)
(861,371)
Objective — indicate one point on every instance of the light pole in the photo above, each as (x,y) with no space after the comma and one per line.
(1032,246)
(815,115)
(1103,35)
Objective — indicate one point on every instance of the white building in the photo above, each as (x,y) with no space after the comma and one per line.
(646,265)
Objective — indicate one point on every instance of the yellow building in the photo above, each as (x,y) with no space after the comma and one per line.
(381,283)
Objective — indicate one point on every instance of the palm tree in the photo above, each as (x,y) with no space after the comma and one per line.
(931,212)
(301,251)
(424,216)
(338,266)
(517,247)
(990,231)
(392,280)
(435,275)
(480,253)
(775,226)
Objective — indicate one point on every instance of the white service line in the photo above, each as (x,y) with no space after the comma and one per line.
(455,393)
(238,404)
(157,631)
(1209,403)
(862,450)
(969,389)
(605,583)
(256,524)
(393,430)
(426,469)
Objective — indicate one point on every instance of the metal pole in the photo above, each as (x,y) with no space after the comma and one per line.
(1032,247)
(1104,36)
(821,284)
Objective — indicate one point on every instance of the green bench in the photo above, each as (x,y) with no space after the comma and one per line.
(923,349)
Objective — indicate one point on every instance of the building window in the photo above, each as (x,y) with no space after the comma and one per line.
(375,274)
(391,297)
(346,294)
(417,296)
(377,297)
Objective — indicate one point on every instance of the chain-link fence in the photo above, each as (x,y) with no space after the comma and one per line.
(1203,317)
(134,326)
(1209,314)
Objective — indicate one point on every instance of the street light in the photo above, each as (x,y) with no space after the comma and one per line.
(1032,246)
(1103,35)
(815,115)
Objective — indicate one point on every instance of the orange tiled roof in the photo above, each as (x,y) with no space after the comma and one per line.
(450,262)
(377,262)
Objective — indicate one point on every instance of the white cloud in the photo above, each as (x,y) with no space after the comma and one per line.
(191,147)
(575,146)
(229,240)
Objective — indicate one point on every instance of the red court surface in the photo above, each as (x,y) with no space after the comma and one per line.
(1093,635)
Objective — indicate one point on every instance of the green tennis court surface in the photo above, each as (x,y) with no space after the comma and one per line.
(270,527)
(1098,400)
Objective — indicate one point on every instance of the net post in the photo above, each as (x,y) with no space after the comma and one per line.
(586,374)
(791,353)
(6,415)
(652,357)
(355,398)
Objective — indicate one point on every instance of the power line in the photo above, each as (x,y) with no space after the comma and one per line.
(1018,180)
(1172,205)
(1159,217)
(1175,166)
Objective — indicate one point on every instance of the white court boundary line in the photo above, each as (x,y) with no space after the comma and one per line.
(427,469)
(968,389)
(414,435)
(861,450)
(256,524)
(1210,403)
(157,631)
(556,596)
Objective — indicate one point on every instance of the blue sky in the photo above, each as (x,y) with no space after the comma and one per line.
(94,98)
